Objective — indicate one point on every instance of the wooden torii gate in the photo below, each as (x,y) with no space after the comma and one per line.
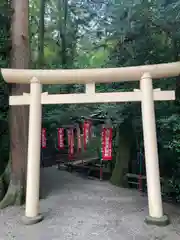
(146,95)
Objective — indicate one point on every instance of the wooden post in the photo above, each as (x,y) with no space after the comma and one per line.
(32,215)
(151,154)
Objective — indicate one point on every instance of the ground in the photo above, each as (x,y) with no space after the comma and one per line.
(77,208)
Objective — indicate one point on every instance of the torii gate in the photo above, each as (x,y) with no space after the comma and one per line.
(146,95)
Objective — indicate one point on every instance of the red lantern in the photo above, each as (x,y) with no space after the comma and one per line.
(86,133)
(70,133)
(79,145)
(61,138)
(43,138)
(106,144)
(102,141)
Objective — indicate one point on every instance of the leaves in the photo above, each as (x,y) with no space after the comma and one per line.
(5,46)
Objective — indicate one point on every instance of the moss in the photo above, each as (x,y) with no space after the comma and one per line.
(4,180)
(123,155)
(14,194)
(12,191)
(2,190)
(122,161)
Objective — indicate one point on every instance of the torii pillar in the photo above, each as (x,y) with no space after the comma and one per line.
(32,214)
(156,215)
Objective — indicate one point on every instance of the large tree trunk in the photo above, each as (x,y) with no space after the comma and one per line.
(41,34)
(63,13)
(123,155)
(18,116)
(176,46)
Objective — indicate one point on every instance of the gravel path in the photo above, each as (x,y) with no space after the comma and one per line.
(83,209)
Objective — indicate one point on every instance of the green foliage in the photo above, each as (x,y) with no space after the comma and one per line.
(5,13)
(147,33)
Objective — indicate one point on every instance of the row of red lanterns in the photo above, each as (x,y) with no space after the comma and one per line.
(106,140)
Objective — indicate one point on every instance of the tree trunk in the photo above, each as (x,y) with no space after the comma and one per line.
(41,34)
(123,155)
(176,45)
(18,116)
(63,12)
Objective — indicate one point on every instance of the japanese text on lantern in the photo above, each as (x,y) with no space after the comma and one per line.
(43,138)
(79,139)
(60,138)
(107,143)
(86,132)
(70,133)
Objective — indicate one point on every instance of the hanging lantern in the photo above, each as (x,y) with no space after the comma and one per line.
(70,133)
(61,138)
(79,145)
(106,138)
(86,133)
(43,138)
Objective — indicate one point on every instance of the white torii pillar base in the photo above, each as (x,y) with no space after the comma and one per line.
(156,216)
(32,215)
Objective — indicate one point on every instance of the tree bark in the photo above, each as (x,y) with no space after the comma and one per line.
(41,34)
(63,12)
(18,115)
(176,45)
(123,155)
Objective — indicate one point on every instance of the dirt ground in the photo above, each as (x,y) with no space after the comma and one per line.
(82,209)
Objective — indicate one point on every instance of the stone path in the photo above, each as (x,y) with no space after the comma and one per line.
(82,209)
